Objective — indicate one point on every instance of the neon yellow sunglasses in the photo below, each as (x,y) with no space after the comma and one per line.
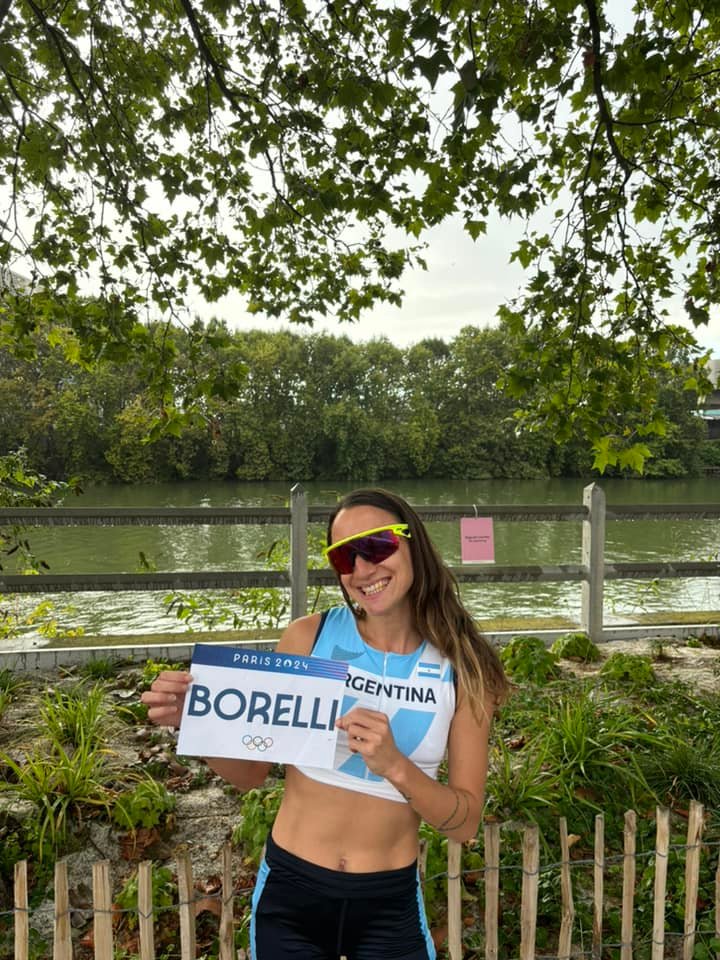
(374,546)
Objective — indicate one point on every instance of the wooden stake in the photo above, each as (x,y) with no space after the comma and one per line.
(530,884)
(598,886)
(146,924)
(102,906)
(62,942)
(662,849)
(22,920)
(187,908)
(454,900)
(227,926)
(568,905)
(628,893)
(492,889)
(692,876)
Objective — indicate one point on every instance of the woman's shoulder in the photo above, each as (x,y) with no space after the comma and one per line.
(300,636)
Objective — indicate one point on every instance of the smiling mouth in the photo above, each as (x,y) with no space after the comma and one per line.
(375,587)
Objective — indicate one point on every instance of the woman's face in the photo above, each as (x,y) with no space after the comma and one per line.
(377,588)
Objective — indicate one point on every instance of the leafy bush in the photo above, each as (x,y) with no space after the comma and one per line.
(146,805)
(527,659)
(164,894)
(153,668)
(630,669)
(258,810)
(575,646)
(9,685)
(435,886)
(132,713)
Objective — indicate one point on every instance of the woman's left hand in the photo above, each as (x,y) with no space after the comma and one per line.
(369,734)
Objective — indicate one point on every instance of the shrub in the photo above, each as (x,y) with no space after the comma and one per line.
(153,668)
(258,810)
(629,669)
(527,659)
(576,646)
(146,805)
(164,893)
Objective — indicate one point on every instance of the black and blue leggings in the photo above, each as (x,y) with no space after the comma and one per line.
(303,911)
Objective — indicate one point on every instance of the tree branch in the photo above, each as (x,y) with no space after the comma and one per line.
(603,108)
(232,96)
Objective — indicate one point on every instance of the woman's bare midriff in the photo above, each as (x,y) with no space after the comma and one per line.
(342,829)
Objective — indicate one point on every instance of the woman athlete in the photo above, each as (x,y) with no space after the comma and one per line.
(339,875)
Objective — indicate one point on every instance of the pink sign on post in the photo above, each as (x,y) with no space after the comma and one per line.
(476,540)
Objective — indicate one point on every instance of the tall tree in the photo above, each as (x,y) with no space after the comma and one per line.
(154,147)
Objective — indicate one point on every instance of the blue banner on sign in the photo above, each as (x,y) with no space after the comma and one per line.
(268,661)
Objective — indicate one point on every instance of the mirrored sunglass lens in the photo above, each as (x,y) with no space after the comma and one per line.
(374,549)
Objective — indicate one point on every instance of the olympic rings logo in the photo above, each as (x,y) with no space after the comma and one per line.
(257,743)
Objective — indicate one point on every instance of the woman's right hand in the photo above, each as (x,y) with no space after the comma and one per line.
(166,697)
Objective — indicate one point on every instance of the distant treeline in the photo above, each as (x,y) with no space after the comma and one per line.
(310,406)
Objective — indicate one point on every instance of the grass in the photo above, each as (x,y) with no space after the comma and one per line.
(10,684)
(678,617)
(76,715)
(586,739)
(167,639)
(63,786)
(525,624)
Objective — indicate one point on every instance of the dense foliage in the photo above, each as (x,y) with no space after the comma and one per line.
(310,406)
(295,153)
(589,740)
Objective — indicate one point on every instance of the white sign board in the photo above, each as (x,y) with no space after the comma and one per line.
(262,705)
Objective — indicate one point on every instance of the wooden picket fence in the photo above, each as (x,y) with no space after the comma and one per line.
(104,911)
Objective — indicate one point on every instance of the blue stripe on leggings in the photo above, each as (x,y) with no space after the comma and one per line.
(262,875)
(424,928)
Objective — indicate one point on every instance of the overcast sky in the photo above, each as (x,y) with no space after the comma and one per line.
(464,284)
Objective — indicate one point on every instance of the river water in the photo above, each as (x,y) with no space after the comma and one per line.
(119,549)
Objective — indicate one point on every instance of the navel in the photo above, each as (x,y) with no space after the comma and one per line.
(342,865)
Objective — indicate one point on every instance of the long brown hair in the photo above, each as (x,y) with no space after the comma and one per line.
(439,614)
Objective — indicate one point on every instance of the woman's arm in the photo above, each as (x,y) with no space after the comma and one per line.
(455,808)
(166,698)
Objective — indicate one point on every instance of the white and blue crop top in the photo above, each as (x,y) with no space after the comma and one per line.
(416,691)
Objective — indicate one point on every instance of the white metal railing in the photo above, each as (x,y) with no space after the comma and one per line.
(591,572)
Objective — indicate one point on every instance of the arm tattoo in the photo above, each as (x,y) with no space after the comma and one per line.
(447,824)
(456,826)
(447,820)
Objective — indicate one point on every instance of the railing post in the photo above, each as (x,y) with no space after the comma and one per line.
(298,552)
(593,559)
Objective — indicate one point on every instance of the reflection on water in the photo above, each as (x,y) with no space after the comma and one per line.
(122,549)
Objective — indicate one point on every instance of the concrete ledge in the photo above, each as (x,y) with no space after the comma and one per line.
(48,659)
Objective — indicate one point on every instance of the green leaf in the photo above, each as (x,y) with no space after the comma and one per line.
(475,228)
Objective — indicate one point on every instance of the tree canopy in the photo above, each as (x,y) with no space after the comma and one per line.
(313,406)
(296,152)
